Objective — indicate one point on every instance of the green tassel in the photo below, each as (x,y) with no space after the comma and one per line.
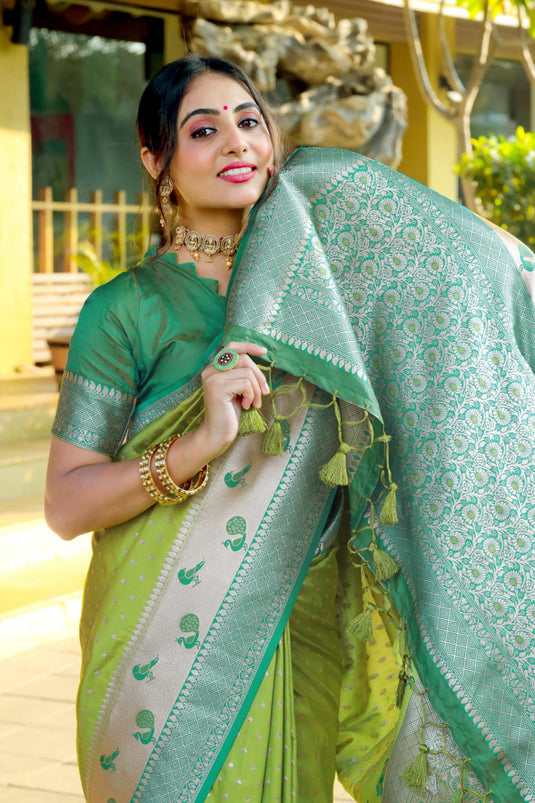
(273,442)
(362,626)
(251,420)
(385,566)
(388,514)
(335,471)
(417,772)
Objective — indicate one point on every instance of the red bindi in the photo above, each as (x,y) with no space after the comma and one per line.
(225,108)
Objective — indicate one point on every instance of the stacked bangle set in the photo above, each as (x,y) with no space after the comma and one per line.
(225,360)
(173,493)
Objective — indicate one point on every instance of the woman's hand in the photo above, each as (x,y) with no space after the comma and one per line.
(87,491)
(226,393)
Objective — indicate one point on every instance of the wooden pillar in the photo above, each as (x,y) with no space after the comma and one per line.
(15,207)
(429,144)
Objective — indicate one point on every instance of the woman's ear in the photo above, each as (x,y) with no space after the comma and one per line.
(151,162)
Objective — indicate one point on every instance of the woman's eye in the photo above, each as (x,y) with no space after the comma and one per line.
(202,132)
(249,122)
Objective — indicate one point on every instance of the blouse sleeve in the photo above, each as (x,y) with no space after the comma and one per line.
(98,390)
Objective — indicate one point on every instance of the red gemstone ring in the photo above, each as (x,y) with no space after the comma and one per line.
(226,359)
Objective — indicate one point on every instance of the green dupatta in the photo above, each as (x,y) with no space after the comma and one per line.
(376,288)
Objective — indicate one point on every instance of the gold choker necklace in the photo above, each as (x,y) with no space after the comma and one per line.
(209,244)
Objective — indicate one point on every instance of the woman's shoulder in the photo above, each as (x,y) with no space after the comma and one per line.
(123,291)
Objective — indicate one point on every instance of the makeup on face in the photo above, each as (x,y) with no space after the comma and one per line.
(214,112)
(224,151)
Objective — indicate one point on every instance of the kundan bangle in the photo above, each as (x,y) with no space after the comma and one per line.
(148,482)
(190,486)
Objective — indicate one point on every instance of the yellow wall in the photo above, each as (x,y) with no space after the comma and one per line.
(174,46)
(15,214)
(429,144)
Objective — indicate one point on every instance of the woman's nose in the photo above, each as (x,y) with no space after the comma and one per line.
(235,141)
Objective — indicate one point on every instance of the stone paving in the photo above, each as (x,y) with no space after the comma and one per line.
(37,730)
(37,726)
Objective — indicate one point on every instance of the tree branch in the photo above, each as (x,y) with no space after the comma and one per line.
(449,65)
(487,46)
(419,65)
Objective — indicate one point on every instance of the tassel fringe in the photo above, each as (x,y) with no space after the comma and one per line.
(417,772)
(273,443)
(385,566)
(388,514)
(251,421)
(362,626)
(335,471)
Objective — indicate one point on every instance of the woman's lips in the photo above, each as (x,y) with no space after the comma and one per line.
(236,174)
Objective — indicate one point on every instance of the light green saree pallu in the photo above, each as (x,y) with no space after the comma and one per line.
(413,315)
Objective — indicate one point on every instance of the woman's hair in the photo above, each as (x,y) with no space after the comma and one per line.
(158,109)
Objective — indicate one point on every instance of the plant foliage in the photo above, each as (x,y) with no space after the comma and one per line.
(503,174)
(101,271)
(506,7)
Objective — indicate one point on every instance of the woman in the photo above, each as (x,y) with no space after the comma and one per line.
(240,611)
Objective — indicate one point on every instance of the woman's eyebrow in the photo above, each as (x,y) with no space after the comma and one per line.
(248,104)
(198,111)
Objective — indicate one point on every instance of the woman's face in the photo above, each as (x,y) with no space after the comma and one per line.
(224,150)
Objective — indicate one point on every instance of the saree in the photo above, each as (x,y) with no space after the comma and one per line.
(130,653)
(400,337)
(368,283)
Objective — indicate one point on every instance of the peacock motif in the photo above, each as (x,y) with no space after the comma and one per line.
(145,720)
(238,478)
(144,671)
(108,762)
(189,624)
(187,576)
(236,526)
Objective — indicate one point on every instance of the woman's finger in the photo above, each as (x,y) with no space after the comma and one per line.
(243,347)
(242,382)
(245,361)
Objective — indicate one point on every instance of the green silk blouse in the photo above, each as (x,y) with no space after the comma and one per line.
(139,345)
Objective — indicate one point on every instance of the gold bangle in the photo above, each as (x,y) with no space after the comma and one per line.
(190,486)
(148,482)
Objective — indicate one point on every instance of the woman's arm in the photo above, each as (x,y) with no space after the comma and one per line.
(87,491)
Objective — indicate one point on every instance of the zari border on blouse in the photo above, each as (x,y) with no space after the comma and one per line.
(92,415)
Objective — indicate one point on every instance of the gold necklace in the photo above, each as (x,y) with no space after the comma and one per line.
(209,244)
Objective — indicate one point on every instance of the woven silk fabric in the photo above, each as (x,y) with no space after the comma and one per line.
(403,301)
(184,608)
(132,357)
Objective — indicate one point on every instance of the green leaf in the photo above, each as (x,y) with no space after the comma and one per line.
(502,172)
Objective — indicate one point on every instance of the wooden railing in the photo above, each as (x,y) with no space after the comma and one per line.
(59,253)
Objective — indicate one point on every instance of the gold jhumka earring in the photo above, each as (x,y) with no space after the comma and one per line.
(166,188)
